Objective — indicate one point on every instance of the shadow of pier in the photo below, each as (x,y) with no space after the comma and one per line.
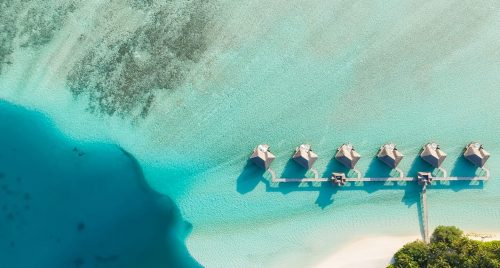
(252,175)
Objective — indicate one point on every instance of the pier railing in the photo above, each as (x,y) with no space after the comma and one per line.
(431,153)
(316,177)
(425,217)
(423,195)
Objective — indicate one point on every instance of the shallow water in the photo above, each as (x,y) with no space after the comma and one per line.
(285,73)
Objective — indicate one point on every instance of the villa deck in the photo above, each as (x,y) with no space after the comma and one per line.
(385,179)
(425,215)
(388,154)
(378,179)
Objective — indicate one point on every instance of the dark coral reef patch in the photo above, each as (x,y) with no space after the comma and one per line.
(29,23)
(120,76)
(118,65)
(40,24)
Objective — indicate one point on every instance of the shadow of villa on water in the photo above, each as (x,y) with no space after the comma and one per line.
(252,175)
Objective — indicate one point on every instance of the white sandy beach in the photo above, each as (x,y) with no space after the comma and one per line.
(378,251)
(367,252)
(485,237)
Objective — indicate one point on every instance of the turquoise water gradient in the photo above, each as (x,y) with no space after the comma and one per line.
(286,73)
(67,203)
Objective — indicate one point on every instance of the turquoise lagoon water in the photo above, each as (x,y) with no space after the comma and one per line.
(68,203)
(287,73)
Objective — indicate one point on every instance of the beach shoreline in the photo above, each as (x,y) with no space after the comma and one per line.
(378,251)
(372,251)
(482,236)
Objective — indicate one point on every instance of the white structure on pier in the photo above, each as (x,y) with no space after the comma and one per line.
(390,155)
(424,178)
(475,153)
(304,156)
(262,156)
(432,154)
(339,178)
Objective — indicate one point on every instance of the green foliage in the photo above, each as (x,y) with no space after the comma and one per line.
(414,254)
(448,248)
(446,234)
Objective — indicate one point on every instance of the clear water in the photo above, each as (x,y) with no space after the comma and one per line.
(68,203)
(286,73)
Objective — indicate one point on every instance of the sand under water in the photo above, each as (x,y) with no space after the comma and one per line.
(283,73)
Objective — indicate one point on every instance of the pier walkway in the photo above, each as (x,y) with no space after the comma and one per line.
(316,178)
(425,217)
(423,194)
(388,154)
(388,179)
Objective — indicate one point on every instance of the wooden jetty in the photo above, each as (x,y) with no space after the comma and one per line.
(425,215)
(364,179)
(388,153)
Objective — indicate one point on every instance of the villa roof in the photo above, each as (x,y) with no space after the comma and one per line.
(347,155)
(262,157)
(475,153)
(390,155)
(305,156)
(432,154)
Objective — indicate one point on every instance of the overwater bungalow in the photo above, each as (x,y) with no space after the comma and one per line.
(347,155)
(304,156)
(424,178)
(475,153)
(262,156)
(338,178)
(390,155)
(432,154)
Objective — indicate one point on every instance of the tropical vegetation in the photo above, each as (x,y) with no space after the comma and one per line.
(449,247)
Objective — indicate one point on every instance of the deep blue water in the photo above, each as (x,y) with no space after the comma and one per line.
(67,203)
